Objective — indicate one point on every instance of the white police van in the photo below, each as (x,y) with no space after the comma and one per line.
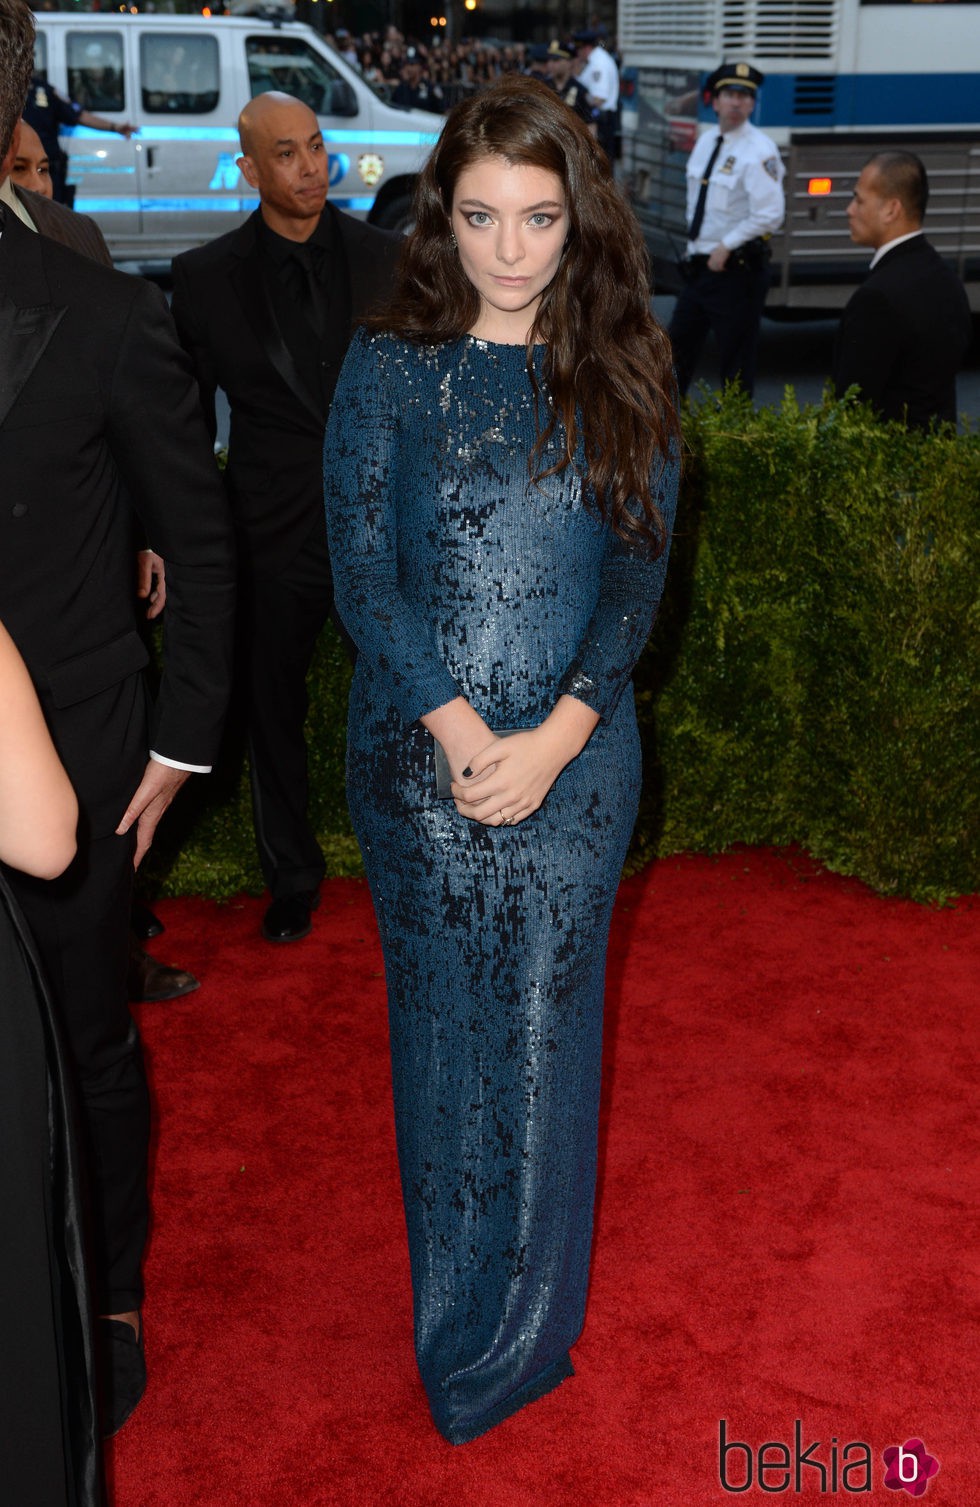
(182,80)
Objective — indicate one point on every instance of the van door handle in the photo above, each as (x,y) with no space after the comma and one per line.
(149,158)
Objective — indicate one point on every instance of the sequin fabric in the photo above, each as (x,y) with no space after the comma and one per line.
(455,574)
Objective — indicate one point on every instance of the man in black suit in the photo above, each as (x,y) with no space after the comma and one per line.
(905,332)
(97,406)
(148,979)
(266,314)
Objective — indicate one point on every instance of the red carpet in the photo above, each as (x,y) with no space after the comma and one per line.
(788,1171)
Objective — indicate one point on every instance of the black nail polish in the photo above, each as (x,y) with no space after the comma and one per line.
(467,772)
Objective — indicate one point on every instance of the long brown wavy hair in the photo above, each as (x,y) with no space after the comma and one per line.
(607,361)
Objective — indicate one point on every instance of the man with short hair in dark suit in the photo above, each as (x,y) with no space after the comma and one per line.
(148,979)
(905,332)
(266,313)
(97,407)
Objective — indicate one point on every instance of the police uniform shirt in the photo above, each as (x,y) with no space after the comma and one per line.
(46,110)
(745,190)
(601,78)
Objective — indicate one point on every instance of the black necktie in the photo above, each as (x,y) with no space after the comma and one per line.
(695,228)
(312,299)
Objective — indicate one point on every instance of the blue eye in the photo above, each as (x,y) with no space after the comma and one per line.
(478,217)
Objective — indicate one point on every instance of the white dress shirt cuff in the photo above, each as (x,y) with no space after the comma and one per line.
(176,764)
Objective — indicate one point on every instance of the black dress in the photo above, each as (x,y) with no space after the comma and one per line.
(49,1445)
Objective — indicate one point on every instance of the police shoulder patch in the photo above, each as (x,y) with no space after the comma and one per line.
(771,165)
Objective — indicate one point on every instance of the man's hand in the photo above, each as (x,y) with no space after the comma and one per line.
(151,581)
(156,790)
(718,259)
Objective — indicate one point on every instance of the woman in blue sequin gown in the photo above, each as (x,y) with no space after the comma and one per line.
(487,591)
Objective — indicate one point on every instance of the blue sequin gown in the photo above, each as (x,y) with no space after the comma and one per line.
(456,575)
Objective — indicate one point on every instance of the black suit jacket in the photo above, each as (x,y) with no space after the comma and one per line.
(97,405)
(904,334)
(65,225)
(226,322)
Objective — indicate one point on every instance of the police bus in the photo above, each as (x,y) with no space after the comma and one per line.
(182,80)
(844,78)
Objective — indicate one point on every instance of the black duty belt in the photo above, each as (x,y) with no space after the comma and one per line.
(752,255)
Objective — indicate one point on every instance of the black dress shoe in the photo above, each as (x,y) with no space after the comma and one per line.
(144,923)
(148,981)
(123,1372)
(288,919)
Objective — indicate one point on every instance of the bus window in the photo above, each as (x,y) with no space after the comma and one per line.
(292,66)
(95,69)
(41,54)
(178,73)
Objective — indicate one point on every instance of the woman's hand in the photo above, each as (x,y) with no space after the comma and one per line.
(460,730)
(509,778)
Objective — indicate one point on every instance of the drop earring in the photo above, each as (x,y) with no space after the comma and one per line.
(453,241)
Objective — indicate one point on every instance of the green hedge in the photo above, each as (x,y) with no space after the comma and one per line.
(814,676)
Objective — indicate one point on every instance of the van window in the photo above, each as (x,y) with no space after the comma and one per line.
(41,54)
(95,69)
(290,64)
(178,73)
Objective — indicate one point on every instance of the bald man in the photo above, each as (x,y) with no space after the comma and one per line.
(266,314)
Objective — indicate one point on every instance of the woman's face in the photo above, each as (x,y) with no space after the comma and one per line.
(510,222)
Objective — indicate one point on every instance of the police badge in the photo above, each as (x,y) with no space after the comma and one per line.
(370,166)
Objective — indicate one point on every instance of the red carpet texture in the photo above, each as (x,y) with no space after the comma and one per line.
(784,1237)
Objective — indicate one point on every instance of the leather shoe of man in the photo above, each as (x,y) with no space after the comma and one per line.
(289,919)
(144,922)
(148,981)
(123,1372)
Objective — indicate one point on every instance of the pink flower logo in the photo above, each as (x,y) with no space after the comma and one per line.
(910,1467)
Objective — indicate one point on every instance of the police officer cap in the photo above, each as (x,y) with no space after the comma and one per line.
(586,36)
(734,76)
(537,52)
(559,50)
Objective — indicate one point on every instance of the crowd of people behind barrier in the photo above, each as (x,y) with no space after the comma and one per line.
(441,73)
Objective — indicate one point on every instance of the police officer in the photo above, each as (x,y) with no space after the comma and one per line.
(46,110)
(537,62)
(735,201)
(568,87)
(416,89)
(601,78)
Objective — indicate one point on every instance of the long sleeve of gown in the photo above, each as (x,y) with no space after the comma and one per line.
(630,588)
(360,495)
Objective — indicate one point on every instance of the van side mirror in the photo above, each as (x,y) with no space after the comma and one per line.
(341,99)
